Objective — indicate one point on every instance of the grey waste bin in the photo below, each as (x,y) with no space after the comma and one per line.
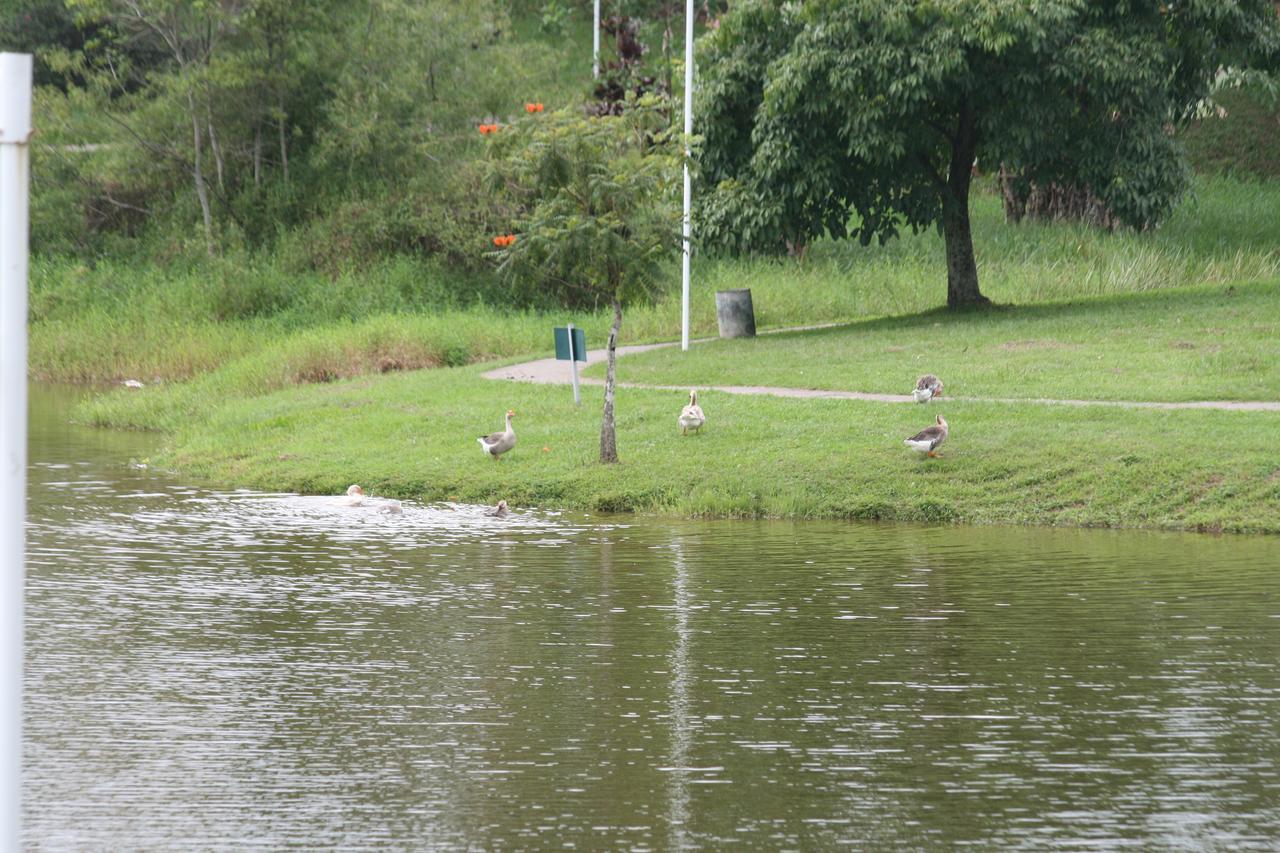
(734,314)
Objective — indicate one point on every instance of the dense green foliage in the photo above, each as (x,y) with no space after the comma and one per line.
(593,201)
(835,117)
(331,133)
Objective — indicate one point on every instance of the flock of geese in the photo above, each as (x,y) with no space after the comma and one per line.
(691,419)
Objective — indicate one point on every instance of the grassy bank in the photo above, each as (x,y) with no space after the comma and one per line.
(1212,342)
(413,436)
(309,383)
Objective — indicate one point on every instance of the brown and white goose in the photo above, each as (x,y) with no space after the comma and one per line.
(497,443)
(927,387)
(929,439)
(691,416)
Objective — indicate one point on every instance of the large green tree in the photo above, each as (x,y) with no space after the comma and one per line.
(861,117)
(593,205)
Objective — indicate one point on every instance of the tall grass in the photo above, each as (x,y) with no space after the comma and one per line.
(114,321)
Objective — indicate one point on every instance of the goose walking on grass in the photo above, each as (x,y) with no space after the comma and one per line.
(691,416)
(929,439)
(927,387)
(497,443)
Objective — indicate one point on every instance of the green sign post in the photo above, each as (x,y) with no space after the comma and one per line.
(571,346)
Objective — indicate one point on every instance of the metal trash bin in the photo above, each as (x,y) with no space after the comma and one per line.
(734,313)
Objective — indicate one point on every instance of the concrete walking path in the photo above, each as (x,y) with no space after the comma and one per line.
(550,371)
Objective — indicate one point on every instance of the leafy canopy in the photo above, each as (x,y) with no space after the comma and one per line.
(855,116)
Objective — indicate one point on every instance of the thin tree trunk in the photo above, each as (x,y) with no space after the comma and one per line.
(282,121)
(669,73)
(257,156)
(608,435)
(202,192)
(962,266)
(215,148)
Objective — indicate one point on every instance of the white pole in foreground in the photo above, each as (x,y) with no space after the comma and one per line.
(595,42)
(688,187)
(15,130)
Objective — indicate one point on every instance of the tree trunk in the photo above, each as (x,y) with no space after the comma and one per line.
(608,436)
(962,266)
(257,156)
(202,192)
(216,149)
(282,121)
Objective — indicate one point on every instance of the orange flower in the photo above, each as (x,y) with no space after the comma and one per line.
(497,241)
(486,129)
(530,107)
(537,107)
(511,238)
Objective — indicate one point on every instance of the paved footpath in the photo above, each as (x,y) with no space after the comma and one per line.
(549,371)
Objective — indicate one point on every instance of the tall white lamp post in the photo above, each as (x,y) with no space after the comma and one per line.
(688,187)
(15,131)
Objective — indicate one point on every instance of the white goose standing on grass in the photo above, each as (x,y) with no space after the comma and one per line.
(497,443)
(929,439)
(691,416)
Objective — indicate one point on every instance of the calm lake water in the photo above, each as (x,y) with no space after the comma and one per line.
(229,669)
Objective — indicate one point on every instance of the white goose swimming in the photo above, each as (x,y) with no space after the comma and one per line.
(357,496)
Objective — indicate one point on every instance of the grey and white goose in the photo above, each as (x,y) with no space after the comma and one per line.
(927,387)
(929,439)
(497,443)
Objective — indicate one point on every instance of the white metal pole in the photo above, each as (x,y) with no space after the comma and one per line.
(595,41)
(15,131)
(573,364)
(688,187)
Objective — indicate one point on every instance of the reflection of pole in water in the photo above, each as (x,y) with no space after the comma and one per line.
(681,730)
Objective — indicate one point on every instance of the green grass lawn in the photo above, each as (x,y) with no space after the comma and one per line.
(1214,342)
(412,435)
